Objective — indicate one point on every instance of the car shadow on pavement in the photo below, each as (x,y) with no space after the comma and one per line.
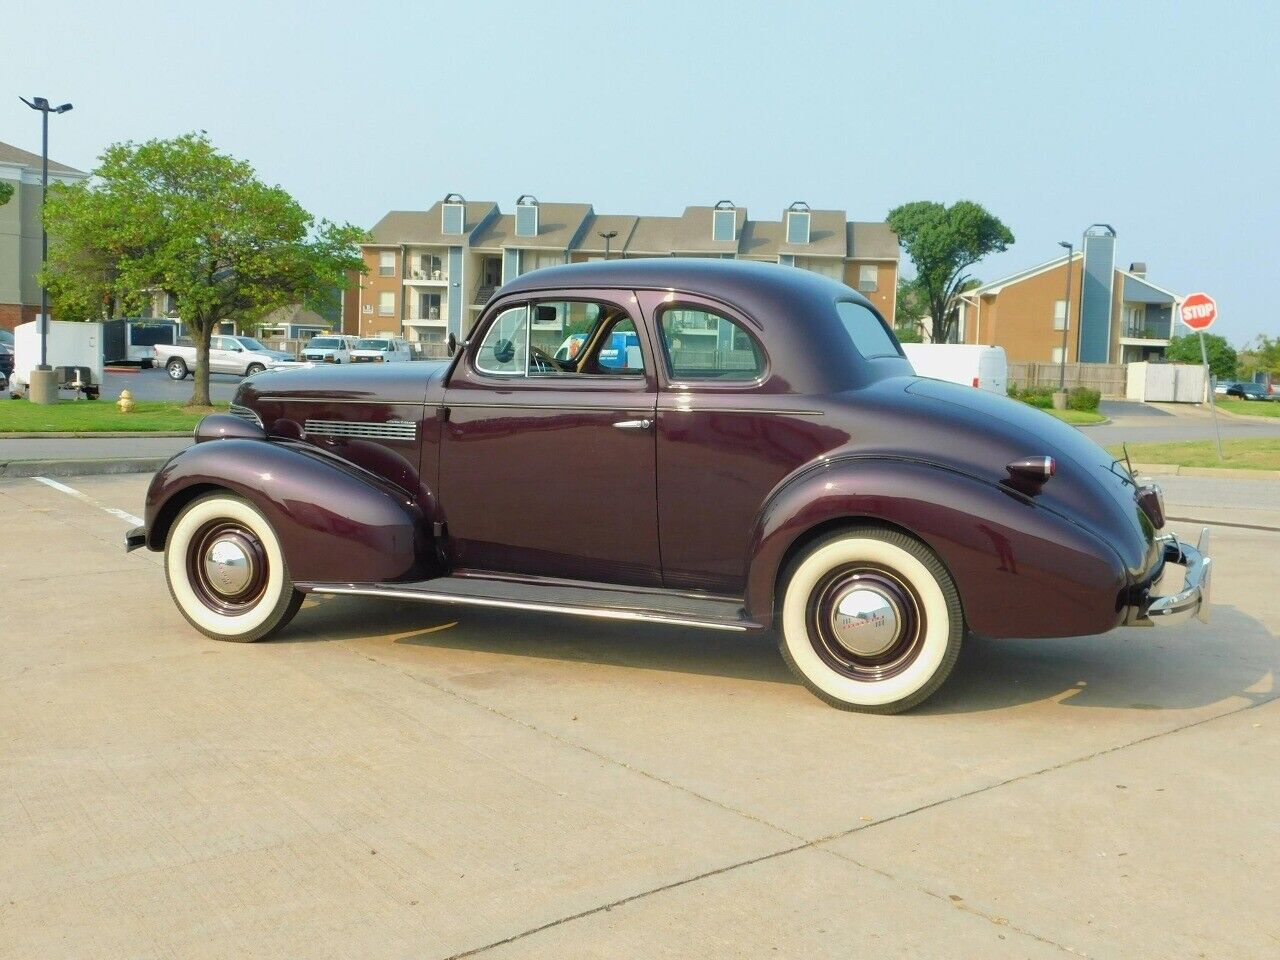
(1177,668)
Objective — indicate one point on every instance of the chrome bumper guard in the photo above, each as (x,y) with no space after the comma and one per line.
(1193,598)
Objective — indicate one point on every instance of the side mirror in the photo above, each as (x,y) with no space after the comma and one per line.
(451,344)
(544,313)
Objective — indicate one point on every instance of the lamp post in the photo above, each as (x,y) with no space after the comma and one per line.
(47,392)
(1066,322)
(607,237)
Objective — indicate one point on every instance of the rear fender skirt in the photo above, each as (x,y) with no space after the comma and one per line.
(335,523)
(1021,570)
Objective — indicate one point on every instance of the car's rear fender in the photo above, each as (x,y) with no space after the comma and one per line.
(335,522)
(1022,571)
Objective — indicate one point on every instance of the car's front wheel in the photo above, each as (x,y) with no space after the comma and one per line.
(176,368)
(870,620)
(227,572)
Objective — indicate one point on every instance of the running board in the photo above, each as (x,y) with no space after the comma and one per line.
(602,603)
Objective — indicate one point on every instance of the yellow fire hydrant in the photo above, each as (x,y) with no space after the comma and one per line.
(125,403)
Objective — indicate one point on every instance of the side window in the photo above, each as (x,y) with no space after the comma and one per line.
(505,346)
(868,332)
(704,345)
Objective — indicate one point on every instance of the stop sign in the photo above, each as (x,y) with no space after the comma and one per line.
(1199,311)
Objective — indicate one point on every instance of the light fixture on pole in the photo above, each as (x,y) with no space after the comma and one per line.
(1066,318)
(607,237)
(42,105)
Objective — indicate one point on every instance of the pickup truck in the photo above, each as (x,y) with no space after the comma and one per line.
(243,356)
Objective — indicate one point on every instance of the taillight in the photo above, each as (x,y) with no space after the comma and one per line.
(975,381)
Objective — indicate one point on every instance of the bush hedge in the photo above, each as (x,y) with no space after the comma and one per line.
(1078,398)
(1082,398)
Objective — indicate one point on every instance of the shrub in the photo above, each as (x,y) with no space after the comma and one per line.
(1041,397)
(1082,398)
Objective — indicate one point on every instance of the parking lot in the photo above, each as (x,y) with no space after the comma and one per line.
(388,779)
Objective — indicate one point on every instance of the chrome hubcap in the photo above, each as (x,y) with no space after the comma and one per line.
(865,621)
(228,565)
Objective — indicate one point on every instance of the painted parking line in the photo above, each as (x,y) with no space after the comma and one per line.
(73,492)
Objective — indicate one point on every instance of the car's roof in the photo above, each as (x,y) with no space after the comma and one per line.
(794,310)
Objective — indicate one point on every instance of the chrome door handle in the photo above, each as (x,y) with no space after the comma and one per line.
(634,424)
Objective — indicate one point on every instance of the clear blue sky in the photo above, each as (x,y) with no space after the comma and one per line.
(1160,119)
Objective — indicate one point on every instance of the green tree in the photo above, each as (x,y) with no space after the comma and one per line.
(910,308)
(1262,355)
(6,192)
(1222,356)
(944,242)
(179,216)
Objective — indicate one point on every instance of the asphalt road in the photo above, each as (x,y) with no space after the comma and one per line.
(1143,423)
(154,384)
(399,780)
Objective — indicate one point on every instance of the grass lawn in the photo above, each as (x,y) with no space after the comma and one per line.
(1262,454)
(98,416)
(1252,408)
(1076,417)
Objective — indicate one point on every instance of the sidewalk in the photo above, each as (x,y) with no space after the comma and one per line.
(80,456)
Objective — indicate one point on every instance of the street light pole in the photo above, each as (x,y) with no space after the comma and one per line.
(607,237)
(42,105)
(1066,318)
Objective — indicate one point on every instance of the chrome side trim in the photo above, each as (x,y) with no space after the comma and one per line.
(598,613)
(388,430)
(763,411)
(368,401)
(1193,598)
(244,413)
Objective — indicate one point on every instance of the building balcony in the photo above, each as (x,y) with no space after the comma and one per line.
(1145,335)
(419,278)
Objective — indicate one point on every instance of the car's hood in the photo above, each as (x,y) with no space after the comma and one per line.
(387,383)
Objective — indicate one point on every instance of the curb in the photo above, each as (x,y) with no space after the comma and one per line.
(90,435)
(1086,426)
(10,469)
(1222,473)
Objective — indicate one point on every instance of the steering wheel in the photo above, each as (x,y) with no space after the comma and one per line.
(543,362)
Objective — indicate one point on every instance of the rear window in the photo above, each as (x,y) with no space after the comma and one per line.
(870,336)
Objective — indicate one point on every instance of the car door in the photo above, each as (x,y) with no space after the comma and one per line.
(547,468)
(222,358)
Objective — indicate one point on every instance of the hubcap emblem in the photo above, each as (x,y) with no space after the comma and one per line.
(228,567)
(865,621)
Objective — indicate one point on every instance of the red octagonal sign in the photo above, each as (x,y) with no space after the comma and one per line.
(1199,311)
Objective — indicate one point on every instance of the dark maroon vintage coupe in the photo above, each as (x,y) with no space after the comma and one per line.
(703,443)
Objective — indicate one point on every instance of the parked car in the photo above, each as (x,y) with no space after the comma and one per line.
(1248,391)
(6,359)
(1221,387)
(381,350)
(771,463)
(968,364)
(243,356)
(329,349)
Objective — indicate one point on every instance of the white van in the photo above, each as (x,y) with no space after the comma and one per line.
(972,365)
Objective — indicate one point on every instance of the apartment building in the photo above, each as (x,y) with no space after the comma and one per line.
(431,272)
(20,232)
(1116,315)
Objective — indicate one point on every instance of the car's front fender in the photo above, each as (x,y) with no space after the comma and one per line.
(335,522)
(1021,570)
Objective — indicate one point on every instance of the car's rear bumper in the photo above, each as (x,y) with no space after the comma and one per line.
(1191,600)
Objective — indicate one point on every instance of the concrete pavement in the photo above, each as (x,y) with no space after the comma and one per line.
(397,780)
(1171,422)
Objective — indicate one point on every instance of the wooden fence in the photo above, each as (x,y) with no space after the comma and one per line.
(1109,378)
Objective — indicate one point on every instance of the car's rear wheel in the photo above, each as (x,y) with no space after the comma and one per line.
(227,571)
(176,368)
(870,620)
(254,368)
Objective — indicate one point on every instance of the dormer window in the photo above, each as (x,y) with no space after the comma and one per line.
(526,216)
(724,222)
(453,215)
(798,223)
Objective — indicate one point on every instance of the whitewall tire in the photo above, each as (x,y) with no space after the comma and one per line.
(870,620)
(227,572)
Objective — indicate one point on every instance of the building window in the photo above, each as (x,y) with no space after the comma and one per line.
(387,263)
(1060,321)
(526,217)
(386,304)
(797,226)
(724,224)
(453,217)
(1056,355)
(868,278)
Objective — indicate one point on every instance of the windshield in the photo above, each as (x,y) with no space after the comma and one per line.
(372,345)
(325,343)
(250,343)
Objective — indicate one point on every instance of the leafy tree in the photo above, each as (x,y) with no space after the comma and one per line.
(1222,356)
(179,216)
(910,308)
(944,242)
(1263,355)
(6,192)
